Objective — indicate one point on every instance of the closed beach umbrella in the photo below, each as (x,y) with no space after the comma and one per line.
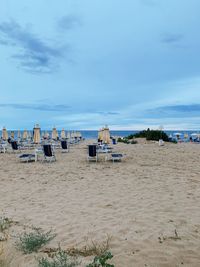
(79,134)
(68,135)
(75,135)
(12,134)
(25,135)
(106,135)
(4,134)
(63,135)
(46,135)
(72,135)
(29,135)
(100,134)
(19,134)
(54,134)
(36,134)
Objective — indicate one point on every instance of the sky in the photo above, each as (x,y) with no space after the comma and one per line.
(82,64)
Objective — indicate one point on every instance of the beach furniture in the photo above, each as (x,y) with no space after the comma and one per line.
(3,147)
(14,146)
(161,142)
(92,153)
(38,152)
(116,157)
(64,146)
(114,141)
(26,157)
(49,156)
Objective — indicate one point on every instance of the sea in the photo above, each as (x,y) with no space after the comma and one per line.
(94,134)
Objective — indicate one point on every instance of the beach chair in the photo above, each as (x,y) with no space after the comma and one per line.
(3,147)
(26,157)
(14,146)
(64,146)
(48,153)
(161,142)
(114,141)
(92,153)
(116,157)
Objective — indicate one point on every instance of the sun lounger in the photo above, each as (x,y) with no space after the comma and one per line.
(48,153)
(14,146)
(64,146)
(3,147)
(161,142)
(92,153)
(116,157)
(26,157)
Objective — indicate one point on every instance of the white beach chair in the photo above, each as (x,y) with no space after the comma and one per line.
(92,153)
(49,155)
(26,157)
(116,157)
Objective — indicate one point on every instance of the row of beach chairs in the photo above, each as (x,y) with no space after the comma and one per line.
(95,150)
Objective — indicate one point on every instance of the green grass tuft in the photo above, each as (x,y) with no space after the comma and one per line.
(60,259)
(5,223)
(33,241)
(101,261)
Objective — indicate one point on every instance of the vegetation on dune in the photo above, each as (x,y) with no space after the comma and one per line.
(101,261)
(92,248)
(59,259)
(126,140)
(153,135)
(33,241)
(68,258)
(5,223)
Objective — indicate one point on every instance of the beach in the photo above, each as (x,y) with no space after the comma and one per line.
(148,204)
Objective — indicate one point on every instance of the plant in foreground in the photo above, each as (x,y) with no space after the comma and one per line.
(33,241)
(60,259)
(5,223)
(101,261)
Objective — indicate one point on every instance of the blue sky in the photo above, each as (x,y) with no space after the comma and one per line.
(77,64)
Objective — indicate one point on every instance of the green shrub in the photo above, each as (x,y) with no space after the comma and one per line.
(131,136)
(174,141)
(154,135)
(127,140)
(133,142)
(60,259)
(32,242)
(101,261)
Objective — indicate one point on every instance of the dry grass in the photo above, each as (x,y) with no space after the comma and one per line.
(175,237)
(93,248)
(6,223)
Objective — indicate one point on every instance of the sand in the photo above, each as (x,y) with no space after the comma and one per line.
(140,203)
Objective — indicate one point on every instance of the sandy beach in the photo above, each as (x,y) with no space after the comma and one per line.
(148,204)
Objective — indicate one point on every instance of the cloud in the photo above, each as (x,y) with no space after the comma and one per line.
(181,111)
(170,38)
(39,107)
(69,22)
(104,113)
(34,54)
